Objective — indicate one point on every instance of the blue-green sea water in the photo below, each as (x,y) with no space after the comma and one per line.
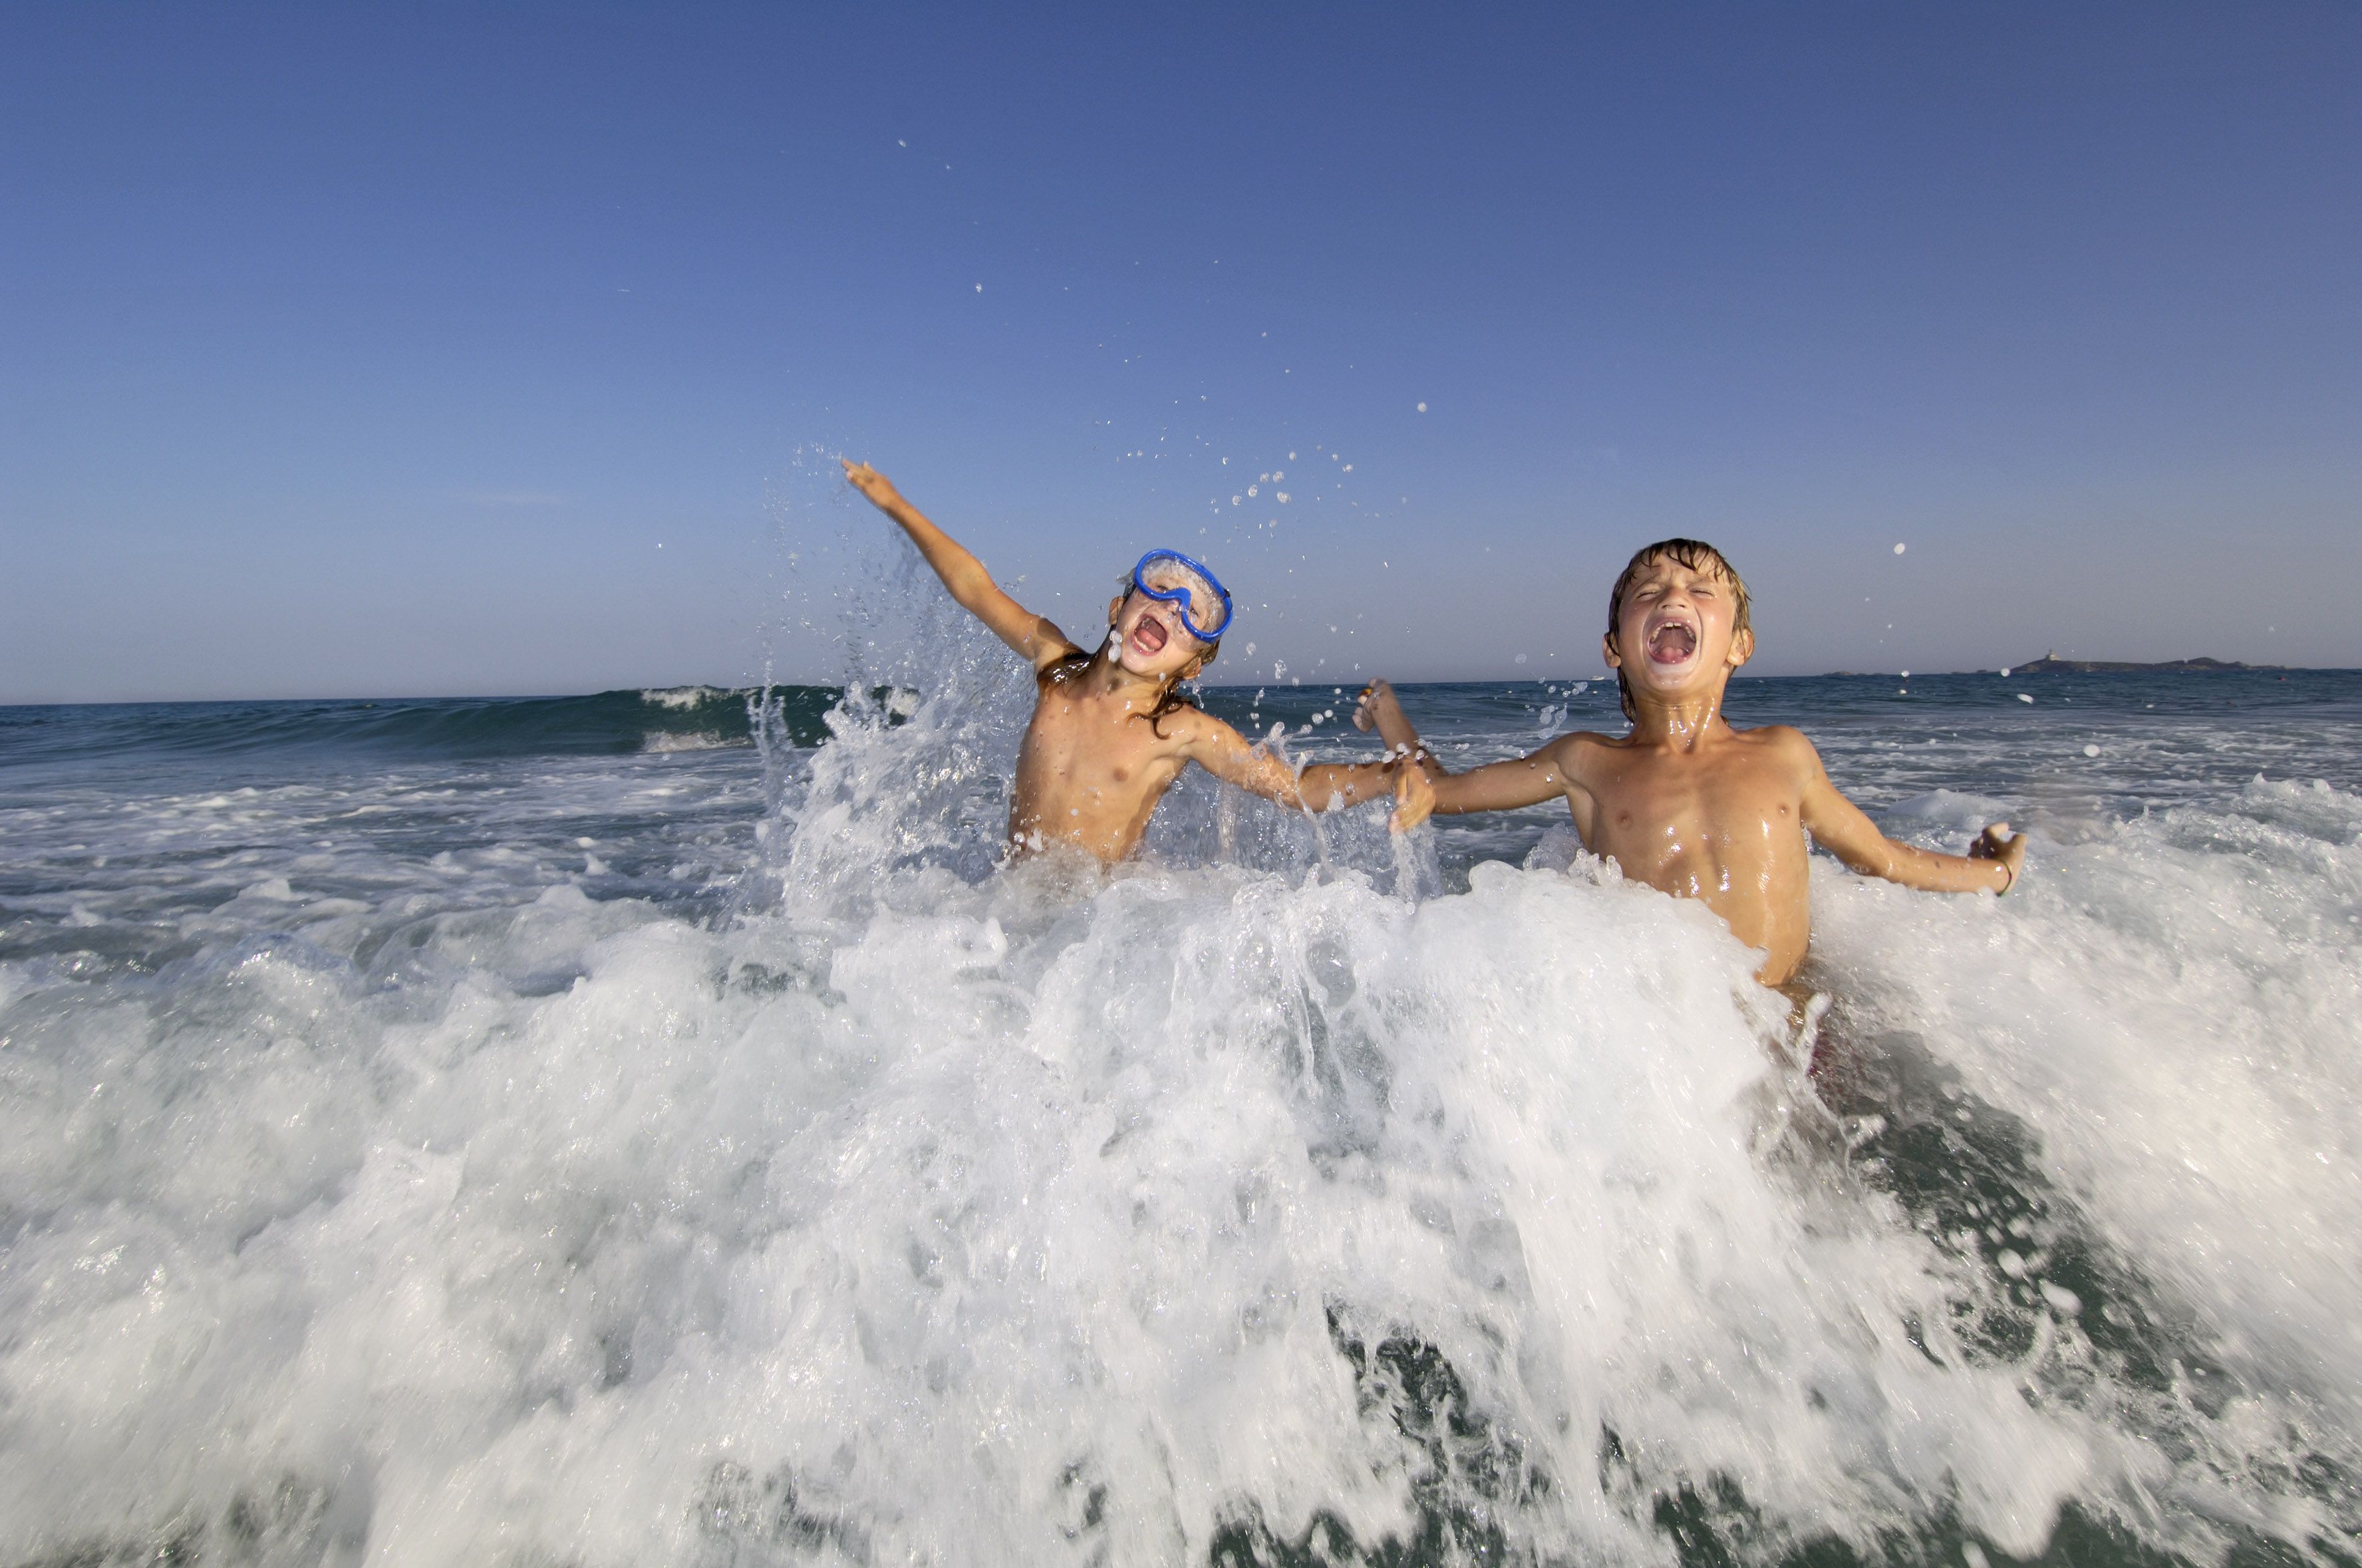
(657,1127)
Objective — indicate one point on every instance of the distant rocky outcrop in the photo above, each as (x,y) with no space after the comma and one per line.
(2051,664)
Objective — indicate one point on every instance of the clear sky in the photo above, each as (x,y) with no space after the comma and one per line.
(377,350)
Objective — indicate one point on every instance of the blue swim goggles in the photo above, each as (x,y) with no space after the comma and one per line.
(1180,597)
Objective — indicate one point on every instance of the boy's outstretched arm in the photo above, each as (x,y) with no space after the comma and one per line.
(1844,829)
(1529,780)
(1225,754)
(971,586)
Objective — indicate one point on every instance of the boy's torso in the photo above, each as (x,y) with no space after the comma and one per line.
(1722,823)
(1090,773)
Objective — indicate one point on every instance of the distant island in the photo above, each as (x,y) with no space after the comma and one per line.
(2051,664)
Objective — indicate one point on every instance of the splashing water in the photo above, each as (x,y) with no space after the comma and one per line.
(388,1176)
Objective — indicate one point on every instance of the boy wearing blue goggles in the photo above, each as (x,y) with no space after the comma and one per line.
(1169,575)
(1111,729)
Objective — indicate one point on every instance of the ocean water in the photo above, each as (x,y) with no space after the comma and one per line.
(654,1128)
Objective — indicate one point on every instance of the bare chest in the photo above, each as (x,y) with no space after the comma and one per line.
(1658,812)
(1093,747)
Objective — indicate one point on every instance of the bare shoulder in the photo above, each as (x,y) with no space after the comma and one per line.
(1786,747)
(1579,751)
(1192,726)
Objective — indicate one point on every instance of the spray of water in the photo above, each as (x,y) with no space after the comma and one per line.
(1259,1201)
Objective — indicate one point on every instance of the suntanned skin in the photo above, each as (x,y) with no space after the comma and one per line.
(1092,766)
(1685,802)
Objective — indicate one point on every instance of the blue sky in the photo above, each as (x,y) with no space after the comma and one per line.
(377,350)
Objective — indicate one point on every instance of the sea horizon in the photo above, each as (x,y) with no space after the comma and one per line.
(746,688)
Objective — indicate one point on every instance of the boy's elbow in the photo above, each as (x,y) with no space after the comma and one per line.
(1883,860)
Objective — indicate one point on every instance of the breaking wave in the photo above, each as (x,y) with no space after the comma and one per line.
(740,1165)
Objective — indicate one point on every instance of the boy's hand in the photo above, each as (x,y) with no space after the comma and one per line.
(1998,843)
(1414,797)
(1375,696)
(870,482)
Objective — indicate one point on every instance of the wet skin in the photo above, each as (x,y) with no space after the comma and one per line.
(1685,802)
(1093,765)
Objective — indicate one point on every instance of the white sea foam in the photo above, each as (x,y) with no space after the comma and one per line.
(683,698)
(416,1207)
(933,1218)
(2173,1007)
(703,741)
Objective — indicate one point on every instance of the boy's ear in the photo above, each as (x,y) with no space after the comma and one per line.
(1742,648)
(1607,651)
(1115,607)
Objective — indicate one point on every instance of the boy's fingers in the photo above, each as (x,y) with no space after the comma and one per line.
(1993,841)
(1413,800)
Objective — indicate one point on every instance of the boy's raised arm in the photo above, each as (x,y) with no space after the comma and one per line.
(1844,829)
(971,586)
(1379,709)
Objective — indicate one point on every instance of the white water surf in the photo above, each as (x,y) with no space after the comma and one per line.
(425,1209)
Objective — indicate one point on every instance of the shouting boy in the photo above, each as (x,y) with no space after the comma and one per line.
(1110,731)
(1685,802)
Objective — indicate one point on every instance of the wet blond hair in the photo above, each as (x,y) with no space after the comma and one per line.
(1698,556)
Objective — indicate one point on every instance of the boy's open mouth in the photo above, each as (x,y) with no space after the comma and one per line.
(1672,643)
(1148,635)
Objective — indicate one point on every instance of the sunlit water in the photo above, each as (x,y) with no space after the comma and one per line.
(571,1133)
